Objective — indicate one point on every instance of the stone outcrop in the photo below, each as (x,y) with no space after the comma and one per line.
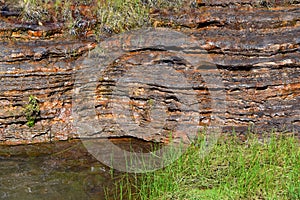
(254,49)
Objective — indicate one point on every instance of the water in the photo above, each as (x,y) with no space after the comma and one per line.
(63,170)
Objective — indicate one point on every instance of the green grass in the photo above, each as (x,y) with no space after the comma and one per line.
(232,170)
(121,15)
(102,16)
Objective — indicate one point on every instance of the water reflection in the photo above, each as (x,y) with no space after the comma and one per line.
(63,170)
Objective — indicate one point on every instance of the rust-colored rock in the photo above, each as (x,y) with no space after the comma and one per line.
(255,49)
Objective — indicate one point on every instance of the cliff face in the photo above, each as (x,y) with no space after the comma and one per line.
(255,50)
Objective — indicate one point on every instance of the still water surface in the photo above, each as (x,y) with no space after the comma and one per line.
(63,170)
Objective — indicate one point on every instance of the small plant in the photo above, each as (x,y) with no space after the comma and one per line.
(32,110)
(151,102)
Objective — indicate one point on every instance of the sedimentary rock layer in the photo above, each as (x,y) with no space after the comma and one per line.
(254,49)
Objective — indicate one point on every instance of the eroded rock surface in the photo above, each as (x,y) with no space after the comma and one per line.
(255,50)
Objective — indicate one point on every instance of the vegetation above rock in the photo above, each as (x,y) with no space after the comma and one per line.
(100,16)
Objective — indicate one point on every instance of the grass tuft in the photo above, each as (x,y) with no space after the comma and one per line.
(121,15)
(34,11)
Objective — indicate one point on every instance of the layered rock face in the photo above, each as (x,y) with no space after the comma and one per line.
(253,50)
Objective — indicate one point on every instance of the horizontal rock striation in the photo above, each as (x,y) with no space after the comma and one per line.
(253,47)
(257,52)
